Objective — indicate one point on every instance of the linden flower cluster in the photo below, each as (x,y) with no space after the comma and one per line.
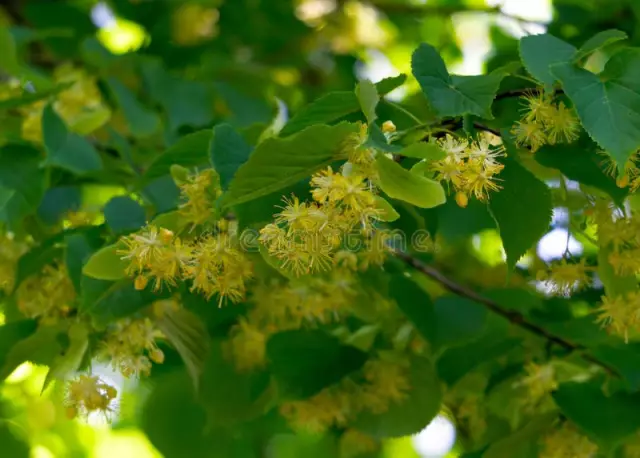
(80,106)
(354,443)
(620,314)
(198,192)
(213,262)
(566,441)
(306,236)
(470,167)
(385,383)
(539,382)
(545,122)
(131,346)
(49,295)
(88,394)
(278,308)
(10,252)
(563,278)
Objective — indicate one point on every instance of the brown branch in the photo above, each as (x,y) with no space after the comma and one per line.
(514,317)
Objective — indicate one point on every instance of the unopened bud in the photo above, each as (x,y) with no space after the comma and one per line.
(71,412)
(140,282)
(623,181)
(461,199)
(166,235)
(157,356)
(388,127)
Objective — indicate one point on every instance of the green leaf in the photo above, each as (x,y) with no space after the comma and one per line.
(21,182)
(106,264)
(608,420)
(614,284)
(333,106)
(423,150)
(368,98)
(70,361)
(580,162)
(189,151)
(58,201)
(228,151)
(412,414)
(65,149)
(524,442)
(27,98)
(188,335)
(173,221)
(304,362)
(608,104)
(142,122)
(599,41)
(399,183)
(458,321)
(522,209)
(36,258)
(39,347)
(539,52)
(277,163)
(387,212)
(624,359)
(453,95)
(8,52)
(10,335)
(229,396)
(12,445)
(416,304)
(78,251)
(123,214)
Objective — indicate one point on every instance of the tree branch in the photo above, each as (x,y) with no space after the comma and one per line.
(514,317)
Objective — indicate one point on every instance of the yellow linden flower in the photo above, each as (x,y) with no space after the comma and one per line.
(354,443)
(330,407)
(194,23)
(564,278)
(620,314)
(198,194)
(563,126)
(131,346)
(540,381)
(529,134)
(387,383)
(538,107)
(626,262)
(566,441)
(49,295)
(88,394)
(248,346)
(10,251)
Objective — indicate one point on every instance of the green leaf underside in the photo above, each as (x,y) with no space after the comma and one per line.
(279,162)
(538,52)
(399,183)
(368,99)
(599,41)
(189,151)
(608,104)
(522,210)
(453,95)
(228,151)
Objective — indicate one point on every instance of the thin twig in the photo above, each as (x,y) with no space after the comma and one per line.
(514,317)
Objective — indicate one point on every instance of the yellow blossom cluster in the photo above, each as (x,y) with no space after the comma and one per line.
(545,122)
(213,262)
(131,346)
(563,277)
(10,251)
(384,383)
(620,314)
(354,443)
(199,192)
(306,237)
(80,105)
(88,394)
(469,167)
(631,172)
(282,307)
(194,23)
(539,381)
(470,416)
(565,441)
(48,295)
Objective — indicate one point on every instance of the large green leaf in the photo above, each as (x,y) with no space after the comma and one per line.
(79,248)
(608,104)
(229,396)
(416,304)
(580,162)
(524,442)
(333,106)
(522,209)
(10,335)
(21,182)
(453,95)
(458,321)
(412,414)
(538,52)
(606,419)
(228,151)
(189,151)
(277,163)
(142,122)
(123,214)
(106,264)
(65,149)
(399,183)
(39,347)
(304,362)
(599,41)
(368,98)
